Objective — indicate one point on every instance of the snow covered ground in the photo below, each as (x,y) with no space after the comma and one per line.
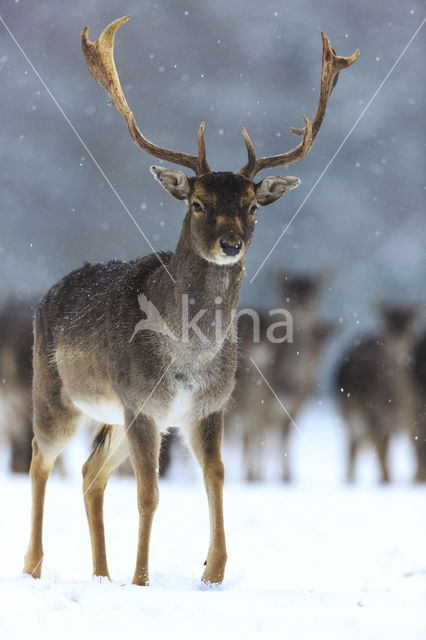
(314,559)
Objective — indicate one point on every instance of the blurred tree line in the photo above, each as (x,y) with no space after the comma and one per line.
(231,64)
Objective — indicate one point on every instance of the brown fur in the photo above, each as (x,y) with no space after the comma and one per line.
(375,387)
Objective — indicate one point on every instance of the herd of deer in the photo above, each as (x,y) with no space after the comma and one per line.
(379,383)
(88,359)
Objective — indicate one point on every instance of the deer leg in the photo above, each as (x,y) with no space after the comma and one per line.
(284,449)
(144,446)
(205,440)
(418,437)
(55,423)
(22,433)
(165,453)
(253,447)
(352,453)
(249,471)
(21,452)
(40,469)
(381,442)
(421,459)
(109,450)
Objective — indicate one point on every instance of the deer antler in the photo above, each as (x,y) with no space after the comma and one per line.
(100,62)
(331,67)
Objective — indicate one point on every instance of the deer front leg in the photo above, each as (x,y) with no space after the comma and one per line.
(205,441)
(381,442)
(144,445)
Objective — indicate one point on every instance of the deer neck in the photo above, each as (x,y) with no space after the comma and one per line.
(398,348)
(200,287)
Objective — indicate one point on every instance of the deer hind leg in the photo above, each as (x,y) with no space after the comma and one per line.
(284,448)
(165,453)
(418,437)
(250,471)
(144,447)
(205,440)
(253,426)
(381,442)
(40,469)
(420,444)
(353,447)
(357,422)
(109,450)
(54,426)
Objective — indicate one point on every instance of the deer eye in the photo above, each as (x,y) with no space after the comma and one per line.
(196,206)
(253,210)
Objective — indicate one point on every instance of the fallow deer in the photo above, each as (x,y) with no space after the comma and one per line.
(375,386)
(290,366)
(88,357)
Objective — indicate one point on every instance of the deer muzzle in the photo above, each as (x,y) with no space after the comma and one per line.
(229,248)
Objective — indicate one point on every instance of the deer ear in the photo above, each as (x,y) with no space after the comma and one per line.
(174,181)
(272,188)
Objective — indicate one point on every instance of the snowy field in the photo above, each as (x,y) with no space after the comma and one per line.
(314,559)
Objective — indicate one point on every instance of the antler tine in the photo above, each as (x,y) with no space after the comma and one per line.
(204,167)
(248,169)
(254,166)
(100,62)
(331,67)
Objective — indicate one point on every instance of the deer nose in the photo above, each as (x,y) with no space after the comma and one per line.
(231,248)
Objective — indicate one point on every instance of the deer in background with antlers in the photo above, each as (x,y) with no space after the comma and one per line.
(84,360)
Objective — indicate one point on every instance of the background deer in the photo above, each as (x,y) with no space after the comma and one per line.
(16,370)
(290,367)
(84,360)
(375,386)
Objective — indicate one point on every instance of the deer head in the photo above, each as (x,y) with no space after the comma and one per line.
(222,204)
(398,319)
